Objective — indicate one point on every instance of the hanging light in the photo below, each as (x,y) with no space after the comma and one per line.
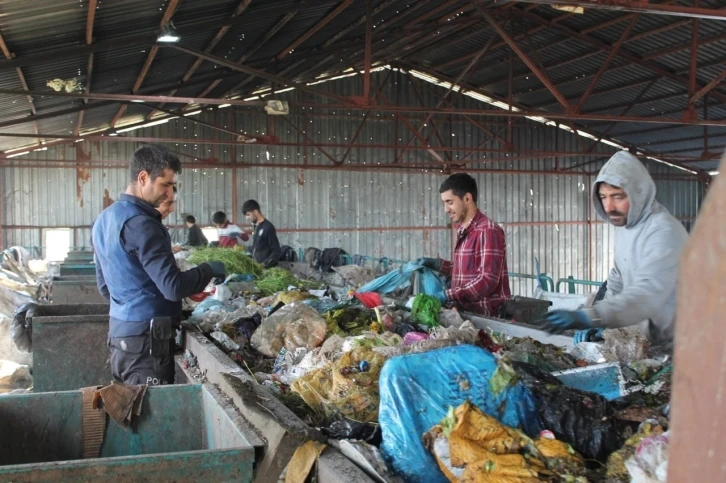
(168,34)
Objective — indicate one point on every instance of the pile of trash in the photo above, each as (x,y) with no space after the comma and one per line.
(429,396)
(21,283)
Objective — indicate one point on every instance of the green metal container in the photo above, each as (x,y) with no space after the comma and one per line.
(76,289)
(69,347)
(185,433)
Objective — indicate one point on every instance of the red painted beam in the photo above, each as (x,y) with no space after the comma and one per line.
(641,6)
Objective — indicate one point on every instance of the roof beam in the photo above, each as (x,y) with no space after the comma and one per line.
(540,73)
(268,35)
(241,7)
(641,6)
(572,117)
(21,78)
(90,19)
(91,105)
(130,97)
(322,23)
(149,38)
(684,81)
(709,87)
(259,73)
(606,64)
(165,19)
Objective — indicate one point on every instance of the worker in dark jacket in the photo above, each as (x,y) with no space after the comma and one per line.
(195,237)
(137,273)
(265,245)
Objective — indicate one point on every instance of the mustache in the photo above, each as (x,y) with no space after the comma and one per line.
(615,213)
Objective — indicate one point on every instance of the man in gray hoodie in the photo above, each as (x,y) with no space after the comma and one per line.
(641,287)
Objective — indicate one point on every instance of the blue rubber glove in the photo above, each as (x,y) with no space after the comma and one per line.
(432,263)
(218,269)
(441,297)
(588,335)
(559,321)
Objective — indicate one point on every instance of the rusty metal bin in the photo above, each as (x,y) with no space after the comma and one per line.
(75,289)
(69,346)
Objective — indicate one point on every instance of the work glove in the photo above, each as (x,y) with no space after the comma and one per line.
(441,297)
(218,270)
(588,335)
(559,321)
(432,263)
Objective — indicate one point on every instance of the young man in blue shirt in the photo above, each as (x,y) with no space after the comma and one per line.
(137,273)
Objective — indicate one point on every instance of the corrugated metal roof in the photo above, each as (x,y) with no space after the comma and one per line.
(30,28)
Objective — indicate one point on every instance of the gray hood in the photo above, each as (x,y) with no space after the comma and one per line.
(627,172)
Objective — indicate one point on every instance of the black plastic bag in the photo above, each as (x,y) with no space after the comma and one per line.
(344,428)
(248,325)
(21,330)
(403,328)
(585,420)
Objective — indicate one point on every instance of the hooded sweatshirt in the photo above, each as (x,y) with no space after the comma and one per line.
(641,288)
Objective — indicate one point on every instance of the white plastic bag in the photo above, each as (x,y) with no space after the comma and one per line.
(292,326)
(650,463)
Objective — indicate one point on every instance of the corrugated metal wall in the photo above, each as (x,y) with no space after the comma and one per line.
(377,212)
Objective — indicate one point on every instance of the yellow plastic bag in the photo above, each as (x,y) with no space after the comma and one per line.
(342,388)
(473,447)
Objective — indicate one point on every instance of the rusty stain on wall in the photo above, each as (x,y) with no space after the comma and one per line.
(82,177)
(300,177)
(107,200)
(82,174)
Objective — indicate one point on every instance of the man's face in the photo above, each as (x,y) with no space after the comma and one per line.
(219,225)
(166,208)
(615,202)
(157,190)
(251,217)
(455,207)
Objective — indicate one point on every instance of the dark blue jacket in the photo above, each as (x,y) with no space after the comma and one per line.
(136,269)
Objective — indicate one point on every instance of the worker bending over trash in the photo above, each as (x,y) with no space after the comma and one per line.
(137,273)
(641,287)
(479,278)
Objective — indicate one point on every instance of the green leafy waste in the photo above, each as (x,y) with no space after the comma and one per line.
(425,310)
(277,279)
(234,261)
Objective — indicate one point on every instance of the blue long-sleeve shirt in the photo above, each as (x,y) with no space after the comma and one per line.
(145,238)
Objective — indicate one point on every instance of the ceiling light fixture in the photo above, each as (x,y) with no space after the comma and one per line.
(168,34)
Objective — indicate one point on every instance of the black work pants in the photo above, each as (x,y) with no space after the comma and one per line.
(132,362)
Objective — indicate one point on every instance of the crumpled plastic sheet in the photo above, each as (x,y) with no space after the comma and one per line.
(625,345)
(583,419)
(400,278)
(466,333)
(450,318)
(292,326)
(417,390)
(650,463)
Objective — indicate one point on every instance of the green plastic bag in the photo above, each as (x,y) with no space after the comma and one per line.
(426,310)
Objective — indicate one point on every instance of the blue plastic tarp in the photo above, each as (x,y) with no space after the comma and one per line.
(416,391)
(428,283)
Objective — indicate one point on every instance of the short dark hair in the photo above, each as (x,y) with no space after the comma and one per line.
(250,205)
(219,218)
(153,159)
(460,184)
(190,219)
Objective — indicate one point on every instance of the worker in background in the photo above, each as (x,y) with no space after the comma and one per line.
(265,245)
(166,208)
(229,235)
(641,287)
(479,278)
(195,235)
(137,273)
